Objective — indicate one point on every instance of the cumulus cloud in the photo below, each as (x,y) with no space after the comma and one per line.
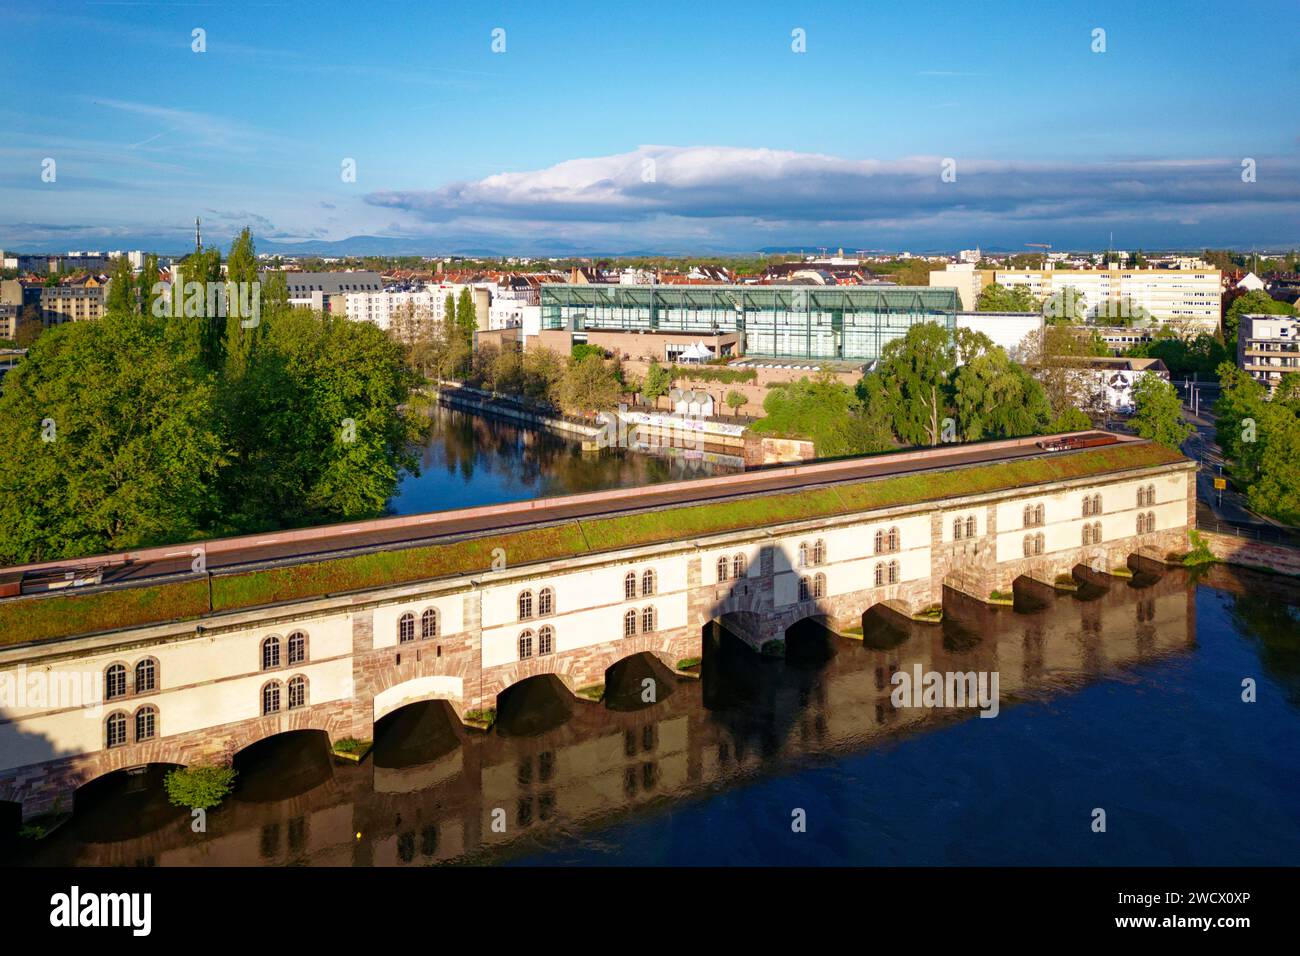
(770,192)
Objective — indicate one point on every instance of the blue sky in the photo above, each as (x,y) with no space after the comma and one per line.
(663,126)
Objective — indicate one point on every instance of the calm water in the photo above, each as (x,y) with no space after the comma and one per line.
(1127,699)
(477,461)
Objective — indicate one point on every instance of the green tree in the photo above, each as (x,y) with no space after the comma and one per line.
(994,397)
(825,411)
(145,282)
(121,299)
(1000,298)
(589,385)
(112,443)
(736,401)
(915,371)
(658,382)
(1256,302)
(1158,412)
(242,331)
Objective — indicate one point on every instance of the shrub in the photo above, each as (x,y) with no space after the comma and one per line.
(199,786)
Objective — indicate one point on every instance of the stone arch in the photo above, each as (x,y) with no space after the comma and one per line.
(429,687)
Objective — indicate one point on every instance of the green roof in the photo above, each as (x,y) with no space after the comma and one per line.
(47,617)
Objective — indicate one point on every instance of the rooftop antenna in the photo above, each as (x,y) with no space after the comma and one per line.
(198,239)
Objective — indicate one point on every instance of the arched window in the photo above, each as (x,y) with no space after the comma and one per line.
(648,621)
(1029,546)
(1087,533)
(893,540)
(429,623)
(1141,522)
(271,698)
(1096,532)
(647,583)
(115,682)
(819,585)
(803,554)
(1039,513)
(957,529)
(146,676)
(525,644)
(297,647)
(738,566)
(805,590)
(880,541)
(1038,542)
(1096,504)
(146,723)
(880,573)
(629,624)
(297,692)
(406,628)
(270,653)
(1087,506)
(115,730)
(723,567)
(629,586)
(546,602)
(819,551)
(893,572)
(1028,516)
(970,526)
(525,605)
(546,640)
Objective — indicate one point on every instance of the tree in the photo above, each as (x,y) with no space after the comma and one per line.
(658,382)
(589,385)
(1065,306)
(121,299)
(826,411)
(29,326)
(1255,302)
(1054,355)
(915,372)
(736,401)
(112,443)
(242,332)
(1158,412)
(1000,298)
(995,398)
(543,372)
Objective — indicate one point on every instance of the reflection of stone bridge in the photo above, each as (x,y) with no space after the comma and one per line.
(436,792)
(642,581)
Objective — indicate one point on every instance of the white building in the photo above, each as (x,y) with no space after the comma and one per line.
(381,307)
(1007,329)
(1268,347)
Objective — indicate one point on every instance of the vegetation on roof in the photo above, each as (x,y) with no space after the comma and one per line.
(43,618)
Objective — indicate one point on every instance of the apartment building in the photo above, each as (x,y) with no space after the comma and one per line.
(380,308)
(1189,297)
(326,291)
(72,303)
(1268,347)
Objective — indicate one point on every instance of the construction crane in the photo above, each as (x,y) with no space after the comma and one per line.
(1040,245)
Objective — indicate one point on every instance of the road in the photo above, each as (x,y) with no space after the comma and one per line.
(414,530)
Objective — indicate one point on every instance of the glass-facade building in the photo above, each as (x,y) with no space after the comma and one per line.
(851,323)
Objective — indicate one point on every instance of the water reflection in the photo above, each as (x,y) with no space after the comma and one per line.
(469,460)
(556,772)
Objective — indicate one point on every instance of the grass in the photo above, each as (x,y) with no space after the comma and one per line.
(482,719)
(1001,597)
(931,614)
(44,618)
(1200,553)
(592,692)
(350,748)
(686,663)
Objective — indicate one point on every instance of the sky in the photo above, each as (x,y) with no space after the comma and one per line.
(668,127)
